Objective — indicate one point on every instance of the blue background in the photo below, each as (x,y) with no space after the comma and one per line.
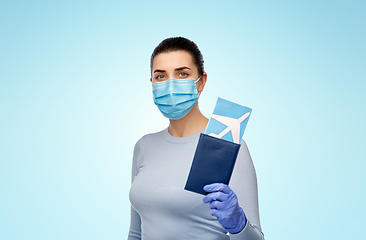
(75,96)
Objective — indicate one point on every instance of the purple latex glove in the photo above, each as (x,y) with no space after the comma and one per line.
(224,205)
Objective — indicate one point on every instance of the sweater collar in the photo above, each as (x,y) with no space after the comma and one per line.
(178,140)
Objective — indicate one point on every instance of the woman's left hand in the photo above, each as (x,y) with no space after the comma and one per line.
(224,205)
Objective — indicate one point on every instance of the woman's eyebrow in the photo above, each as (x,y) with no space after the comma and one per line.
(181,68)
(158,70)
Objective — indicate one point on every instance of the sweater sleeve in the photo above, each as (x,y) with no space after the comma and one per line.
(250,232)
(135,222)
(244,183)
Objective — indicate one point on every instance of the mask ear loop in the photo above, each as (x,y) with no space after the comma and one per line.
(199,94)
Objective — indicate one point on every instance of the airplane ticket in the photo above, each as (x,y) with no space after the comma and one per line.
(228,121)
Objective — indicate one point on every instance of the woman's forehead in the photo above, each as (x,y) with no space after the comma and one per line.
(172,60)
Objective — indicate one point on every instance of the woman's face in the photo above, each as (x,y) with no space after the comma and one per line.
(178,64)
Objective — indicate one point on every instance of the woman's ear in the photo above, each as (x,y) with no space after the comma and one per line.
(202,82)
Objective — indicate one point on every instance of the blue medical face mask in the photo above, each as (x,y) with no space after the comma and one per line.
(175,98)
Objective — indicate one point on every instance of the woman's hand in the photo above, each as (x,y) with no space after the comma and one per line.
(224,205)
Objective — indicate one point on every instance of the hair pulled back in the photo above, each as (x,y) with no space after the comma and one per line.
(179,43)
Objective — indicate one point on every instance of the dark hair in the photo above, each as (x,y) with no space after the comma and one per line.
(179,43)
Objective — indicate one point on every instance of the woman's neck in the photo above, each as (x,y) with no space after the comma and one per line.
(190,124)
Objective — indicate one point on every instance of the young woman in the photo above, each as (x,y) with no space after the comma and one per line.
(161,208)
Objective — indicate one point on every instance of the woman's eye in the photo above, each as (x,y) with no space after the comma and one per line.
(183,74)
(159,77)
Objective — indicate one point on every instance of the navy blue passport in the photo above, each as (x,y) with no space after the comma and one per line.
(213,162)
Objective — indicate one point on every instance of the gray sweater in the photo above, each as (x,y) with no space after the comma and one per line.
(162,209)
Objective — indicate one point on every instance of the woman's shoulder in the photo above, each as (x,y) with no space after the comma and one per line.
(147,138)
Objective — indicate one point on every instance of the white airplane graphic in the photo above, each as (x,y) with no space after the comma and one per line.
(232,124)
